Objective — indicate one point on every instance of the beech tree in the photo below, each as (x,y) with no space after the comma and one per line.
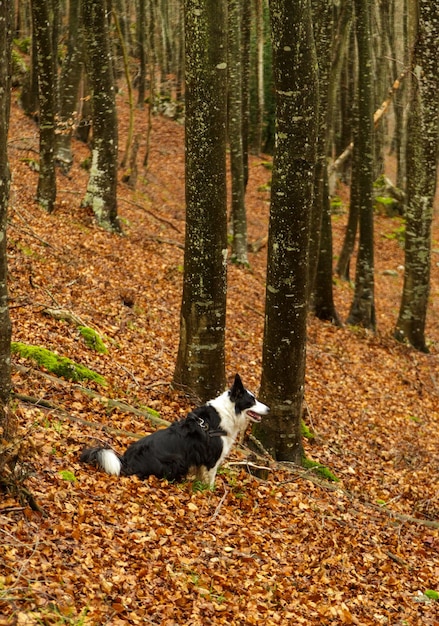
(422,161)
(201,354)
(102,184)
(69,85)
(283,359)
(320,263)
(6,23)
(42,32)
(362,312)
(235,130)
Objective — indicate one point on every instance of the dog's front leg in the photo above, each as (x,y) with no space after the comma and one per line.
(205,476)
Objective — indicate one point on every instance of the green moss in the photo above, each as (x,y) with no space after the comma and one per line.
(86,164)
(306,433)
(148,409)
(432,594)
(336,205)
(380,181)
(397,233)
(92,339)
(59,365)
(23,44)
(385,201)
(321,470)
(387,206)
(67,475)
(266,187)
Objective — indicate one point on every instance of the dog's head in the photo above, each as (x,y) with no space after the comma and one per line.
(245,402)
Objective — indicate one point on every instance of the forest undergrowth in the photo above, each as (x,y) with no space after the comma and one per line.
(92,549)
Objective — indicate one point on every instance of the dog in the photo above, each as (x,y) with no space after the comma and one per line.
(198,443)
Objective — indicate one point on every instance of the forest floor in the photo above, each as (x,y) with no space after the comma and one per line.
(288,549)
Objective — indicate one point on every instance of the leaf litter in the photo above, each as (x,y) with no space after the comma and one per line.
(289,549)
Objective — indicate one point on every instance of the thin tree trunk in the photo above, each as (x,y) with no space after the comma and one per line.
(239,218)
(46,191)
(102,184)
(6,22)
(141,85)
(245,60)
(362,312)
(69,86)
(259,16)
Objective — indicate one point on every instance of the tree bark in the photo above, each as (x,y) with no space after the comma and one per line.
(46,190)
(283,359)
(69,87)
(6,22)
(422,161)
(102,185)
(320,261)
(239,218)
(362,312)
(201,354)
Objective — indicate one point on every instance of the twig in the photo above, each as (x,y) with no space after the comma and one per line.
(397,559)
(28,230)
(221,502)
(169,242)
(154,215)
(251,465)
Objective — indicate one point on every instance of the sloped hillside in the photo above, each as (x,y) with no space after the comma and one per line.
(288,549)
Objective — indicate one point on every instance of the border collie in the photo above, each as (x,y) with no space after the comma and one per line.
(200,442)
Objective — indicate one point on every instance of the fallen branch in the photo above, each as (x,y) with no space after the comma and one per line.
(126,408)
(65,315)
(115,404)
(149,212)
(250,465)
(169,242)
(64,415)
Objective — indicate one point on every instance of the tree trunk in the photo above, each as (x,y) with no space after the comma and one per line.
(46,191)
(323,294)
(102,184)
(245,60)
(259,17)
(69,87)
(422,161)
(344,259)
(239,218)
(362,311)
(141,29)
(6,21)
(283,359)
(201,355)
(320,262)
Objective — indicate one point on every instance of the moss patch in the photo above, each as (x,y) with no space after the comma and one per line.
(92,340)
(306,432)
(59,365)
(321,470)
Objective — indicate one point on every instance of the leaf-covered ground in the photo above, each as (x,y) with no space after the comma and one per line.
(289,549)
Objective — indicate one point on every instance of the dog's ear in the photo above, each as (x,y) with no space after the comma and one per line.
(237,388)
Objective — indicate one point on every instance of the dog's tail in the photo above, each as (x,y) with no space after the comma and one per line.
(105,458)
